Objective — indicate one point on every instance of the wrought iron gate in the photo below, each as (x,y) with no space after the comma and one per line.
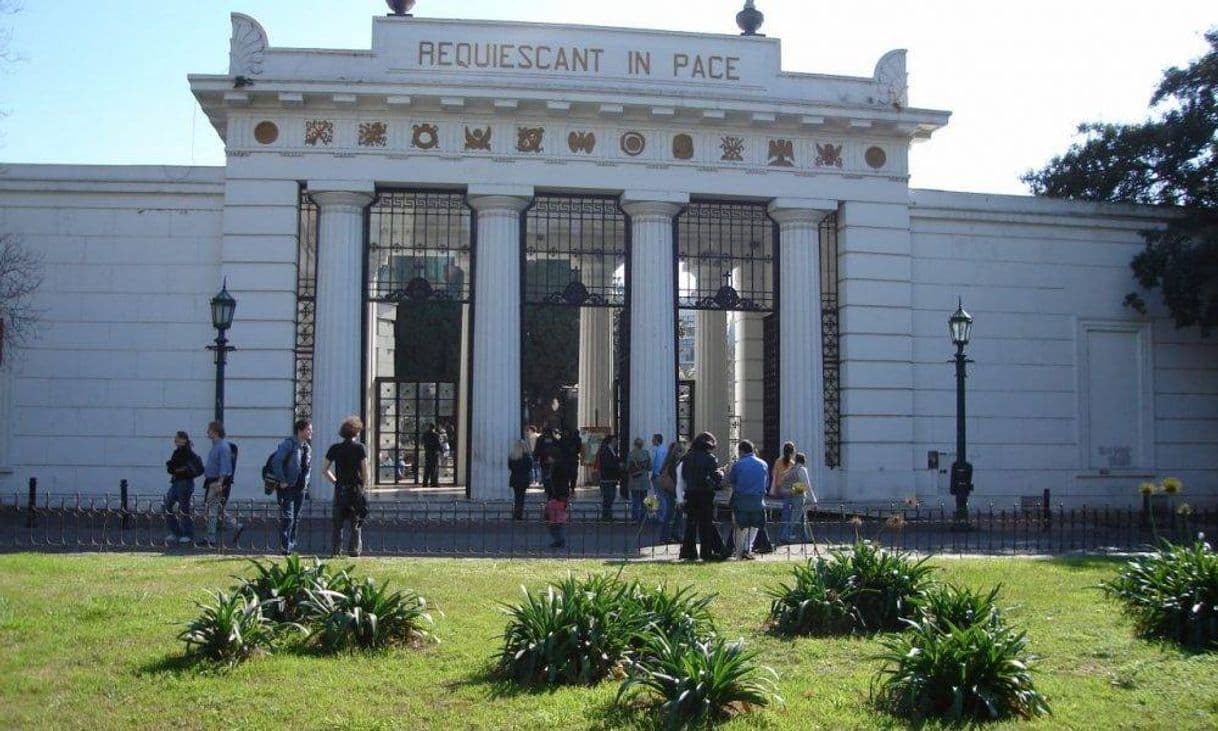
(574,255)
(771,446)
(420,255)
(686,392)
(408,409)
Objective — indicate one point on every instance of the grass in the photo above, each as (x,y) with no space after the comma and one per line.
(89,641)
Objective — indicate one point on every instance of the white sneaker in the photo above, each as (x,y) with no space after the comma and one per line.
(185,540)
(171,538)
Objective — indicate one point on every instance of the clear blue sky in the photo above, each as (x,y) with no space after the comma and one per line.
(104,82)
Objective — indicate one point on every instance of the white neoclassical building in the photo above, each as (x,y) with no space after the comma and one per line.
(481,225)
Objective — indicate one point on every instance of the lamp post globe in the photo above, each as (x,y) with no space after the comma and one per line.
(223,307)
(960,324)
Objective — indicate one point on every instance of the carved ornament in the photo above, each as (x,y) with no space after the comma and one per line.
(247,47)
(683,147)
(373,134)
(828,155)
(633,143)
(782,153)
(528,139)
(319,132)
(478,138)
(425,136)
(733,148)
(582,142)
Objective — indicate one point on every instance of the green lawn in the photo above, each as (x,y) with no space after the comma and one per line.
(88,641)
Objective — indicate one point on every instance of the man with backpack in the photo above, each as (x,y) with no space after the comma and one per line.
(289,467)
(218,474)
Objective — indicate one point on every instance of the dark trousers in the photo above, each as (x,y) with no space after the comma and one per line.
(177,508)
(518,502)
(290,501)
(350,504)
(700,528)
(608,494)
(431,468)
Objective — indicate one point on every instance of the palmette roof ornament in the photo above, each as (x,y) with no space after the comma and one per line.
(247,47)
(891,80)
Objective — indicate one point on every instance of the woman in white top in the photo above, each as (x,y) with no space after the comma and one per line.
(795,491)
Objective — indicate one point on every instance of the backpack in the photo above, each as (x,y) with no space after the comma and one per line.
(270,483)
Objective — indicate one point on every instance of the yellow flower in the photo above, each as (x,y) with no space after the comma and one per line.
(896,521)
(1172,485)
(1147,488)
(799,488)
(652,503)
(1185,509)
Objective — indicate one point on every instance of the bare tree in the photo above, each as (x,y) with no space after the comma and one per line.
(20,277)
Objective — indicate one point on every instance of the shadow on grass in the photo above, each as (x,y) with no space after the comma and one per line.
(1085,562)
(635,714)
(178,664)
(497,686)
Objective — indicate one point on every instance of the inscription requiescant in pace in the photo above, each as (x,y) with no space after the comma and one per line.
(576,59)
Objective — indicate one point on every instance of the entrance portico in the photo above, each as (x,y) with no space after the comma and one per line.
(500,114)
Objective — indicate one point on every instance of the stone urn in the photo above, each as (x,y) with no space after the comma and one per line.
(750,19)
(400,7)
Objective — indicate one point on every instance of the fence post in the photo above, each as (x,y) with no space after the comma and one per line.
(33,500)
(1046,510)
(122,496)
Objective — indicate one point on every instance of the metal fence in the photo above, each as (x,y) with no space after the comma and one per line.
(466,529)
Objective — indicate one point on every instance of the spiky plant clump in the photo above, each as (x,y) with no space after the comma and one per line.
(282,587)
(365,615)
(681,616)
(947,604)
(1171,594)
(865,589)
(977,673)
(229,629)
(699,683)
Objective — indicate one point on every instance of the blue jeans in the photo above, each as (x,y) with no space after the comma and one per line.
(608,494)
(290,501)
(794,515)
(177,503)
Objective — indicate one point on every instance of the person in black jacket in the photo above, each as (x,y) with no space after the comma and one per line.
(431,456)
(520,468)
(698,477)
(183,467)
(609,466)
(545,453)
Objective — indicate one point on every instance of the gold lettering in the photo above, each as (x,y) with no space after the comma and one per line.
(427,50)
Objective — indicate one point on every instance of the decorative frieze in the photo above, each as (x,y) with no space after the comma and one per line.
(814,152)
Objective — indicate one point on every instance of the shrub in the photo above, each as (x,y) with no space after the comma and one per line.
(282,588)
(354,614)
(957,674)
(865,589)
(681,616)
(574,633)
(948,605)
(229,629)
(700,682)
(1171,594)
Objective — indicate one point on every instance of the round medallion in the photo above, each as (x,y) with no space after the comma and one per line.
(266,132)
(876,157)
(683,147)
(633,143)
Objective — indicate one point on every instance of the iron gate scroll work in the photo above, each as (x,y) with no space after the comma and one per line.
(420,255)
(306,300)
(574,256)
(830,341)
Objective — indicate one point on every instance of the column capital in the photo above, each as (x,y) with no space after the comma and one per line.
(810,211)
(329,193)
(487,197)
(653,203)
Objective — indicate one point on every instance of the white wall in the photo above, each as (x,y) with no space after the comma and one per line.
(131,260)
(1038,276)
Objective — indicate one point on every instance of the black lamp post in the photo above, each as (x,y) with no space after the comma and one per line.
(222,308)
(961,326)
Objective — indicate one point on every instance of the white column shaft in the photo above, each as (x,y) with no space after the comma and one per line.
(338,336)
(800,366)
(711,384)
(653,341)
(497,414)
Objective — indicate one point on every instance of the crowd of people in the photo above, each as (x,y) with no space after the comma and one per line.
(286,476)
(671,485)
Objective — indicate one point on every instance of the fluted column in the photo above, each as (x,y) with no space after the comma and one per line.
(653,338)
(496,417)
(800,354)
(338,334)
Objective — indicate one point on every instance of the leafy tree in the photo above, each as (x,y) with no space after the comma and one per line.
(1171,159)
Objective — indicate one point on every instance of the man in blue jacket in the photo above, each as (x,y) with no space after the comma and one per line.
(291,466)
